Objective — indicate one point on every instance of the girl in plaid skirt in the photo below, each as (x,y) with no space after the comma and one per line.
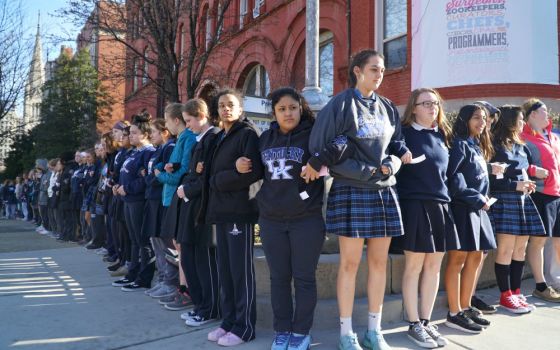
(362,203)
(514,216)
(429,229)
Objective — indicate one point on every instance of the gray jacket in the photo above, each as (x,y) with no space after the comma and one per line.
(374,129)
(43,188)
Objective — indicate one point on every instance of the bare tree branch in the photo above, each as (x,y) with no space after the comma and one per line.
(14,53)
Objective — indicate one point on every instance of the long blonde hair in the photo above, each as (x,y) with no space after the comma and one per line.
(441,119)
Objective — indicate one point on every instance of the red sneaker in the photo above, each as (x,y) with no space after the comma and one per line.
(512,303)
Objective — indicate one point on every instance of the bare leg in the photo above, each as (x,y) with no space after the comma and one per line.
(453,278)
(535,257)
(468,277)
(430,283)
(413,268)
(182,278)
(377,254)
(350,257)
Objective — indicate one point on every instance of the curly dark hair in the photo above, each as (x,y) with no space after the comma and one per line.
(275,96)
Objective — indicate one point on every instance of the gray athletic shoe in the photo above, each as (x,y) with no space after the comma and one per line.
(153,289)
(168,299)
(182,301)
(417,333)
(164,291)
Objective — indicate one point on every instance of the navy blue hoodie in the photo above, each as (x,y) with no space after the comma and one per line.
(283,156)
(131,173)
(468,173)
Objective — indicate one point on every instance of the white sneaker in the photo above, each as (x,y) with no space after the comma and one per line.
(196,321)
(188,315)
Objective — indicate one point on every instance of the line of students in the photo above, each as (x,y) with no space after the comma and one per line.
(416,185)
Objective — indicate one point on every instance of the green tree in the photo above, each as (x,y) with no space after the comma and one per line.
(21,156)
(69,112)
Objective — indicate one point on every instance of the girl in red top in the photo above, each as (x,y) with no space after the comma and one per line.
(545,152)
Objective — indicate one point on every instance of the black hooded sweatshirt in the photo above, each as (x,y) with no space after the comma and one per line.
(284,193)
(228,199)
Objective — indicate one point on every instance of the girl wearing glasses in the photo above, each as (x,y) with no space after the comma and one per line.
(429,229)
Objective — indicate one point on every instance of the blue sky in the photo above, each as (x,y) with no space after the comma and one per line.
(53,28)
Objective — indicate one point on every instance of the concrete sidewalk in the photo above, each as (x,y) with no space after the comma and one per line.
(61,298)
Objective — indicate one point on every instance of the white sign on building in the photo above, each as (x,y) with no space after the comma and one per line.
(466,42)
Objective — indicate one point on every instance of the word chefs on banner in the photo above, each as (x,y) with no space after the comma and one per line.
(465,42)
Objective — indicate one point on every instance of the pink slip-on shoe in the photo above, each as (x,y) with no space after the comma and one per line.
(230,339)
(216,334)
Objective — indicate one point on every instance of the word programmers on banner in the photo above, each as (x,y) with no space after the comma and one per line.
(465,42)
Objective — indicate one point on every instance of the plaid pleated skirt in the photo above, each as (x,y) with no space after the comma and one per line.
(515,214)
(363,213)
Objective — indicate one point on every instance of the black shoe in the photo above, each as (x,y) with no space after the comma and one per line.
(482,306)
(114,267)
(462,323)
(92,246)
(110,259)
(121,283)
(474,314)
(132,287)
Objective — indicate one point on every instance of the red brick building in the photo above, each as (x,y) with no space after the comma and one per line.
(267,50)
(108,57)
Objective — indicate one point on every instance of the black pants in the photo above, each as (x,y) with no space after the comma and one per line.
(140,249)
(292,250)
(44,212)
(53,223)
(124,240)
(98,229)
(237,279)
(200,266)
(69,224)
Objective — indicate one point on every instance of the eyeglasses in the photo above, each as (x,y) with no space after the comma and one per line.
(428,104)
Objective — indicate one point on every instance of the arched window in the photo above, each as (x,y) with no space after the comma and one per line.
(326,63)
(257,82)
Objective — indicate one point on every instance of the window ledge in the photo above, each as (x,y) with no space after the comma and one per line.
(396,70)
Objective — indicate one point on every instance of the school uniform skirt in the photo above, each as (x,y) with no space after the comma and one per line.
(363,213)
(171,218)
(474,228)
(428,227)
(515,214)
(549,208)
(151,222)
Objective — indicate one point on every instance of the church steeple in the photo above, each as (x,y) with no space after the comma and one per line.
(35,81)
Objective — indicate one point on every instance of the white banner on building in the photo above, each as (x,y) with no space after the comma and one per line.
(466,42)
